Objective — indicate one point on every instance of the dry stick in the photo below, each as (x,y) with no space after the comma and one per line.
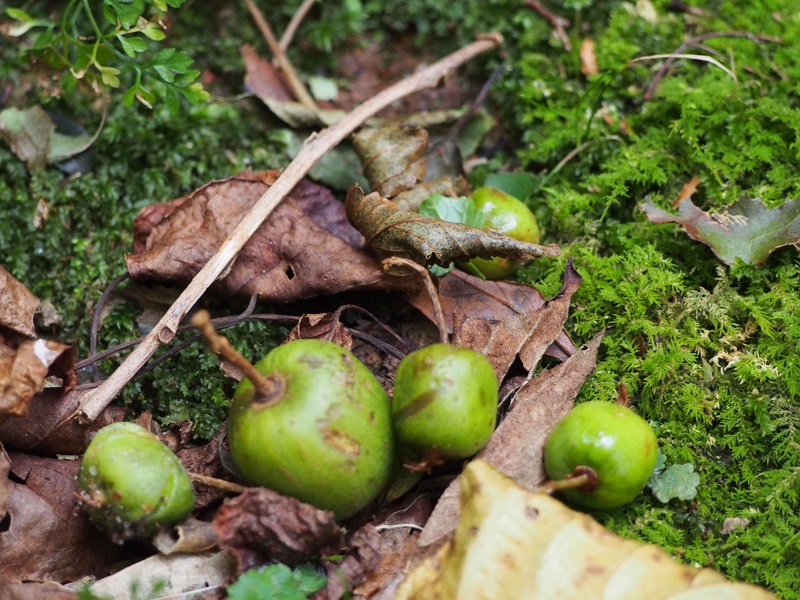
(294,80)
(559,24)
(315,147)
(220,484)
(291,28)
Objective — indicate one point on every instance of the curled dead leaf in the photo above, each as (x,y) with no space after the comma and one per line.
(393,157)
(391,231)
(261,525)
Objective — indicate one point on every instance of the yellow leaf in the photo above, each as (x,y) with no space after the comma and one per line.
(513,544)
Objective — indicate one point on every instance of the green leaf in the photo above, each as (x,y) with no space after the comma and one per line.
(455,210)
(277,582)
(520,184)
(132,45)
(676,481)
(154,32)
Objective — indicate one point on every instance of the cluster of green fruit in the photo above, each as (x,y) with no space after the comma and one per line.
(318,426)
(321,429)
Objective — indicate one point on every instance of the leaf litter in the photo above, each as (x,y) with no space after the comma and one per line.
(305,249)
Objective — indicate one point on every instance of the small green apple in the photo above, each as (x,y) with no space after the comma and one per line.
(509,216)
(324,433)
(445,401)
(132,483)
(612,441)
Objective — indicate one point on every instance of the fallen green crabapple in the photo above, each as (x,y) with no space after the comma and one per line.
(132,484)
(445,401)
(317,426)
(610,445)
(504,214)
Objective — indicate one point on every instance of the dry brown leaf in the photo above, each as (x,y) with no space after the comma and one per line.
(394,232)
(490,301)
(48,428)
(23,373)
(17,305)
(205,460)
(322,326)
(48,538)
(361,558)
(393,157)
(519,545)
(38,591)
(261,525)
(5,466)
(446,186)
(517,446)
(528,335)
(266,82)
(304,249)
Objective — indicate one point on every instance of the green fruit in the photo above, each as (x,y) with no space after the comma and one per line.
(133,483)
(445,400)
(611,440)
(504,214)
(322,434)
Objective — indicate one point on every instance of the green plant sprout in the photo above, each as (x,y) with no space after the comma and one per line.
(105,51)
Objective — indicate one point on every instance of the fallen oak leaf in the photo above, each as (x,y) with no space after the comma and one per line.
(746,230)
(512,543)
(391,231)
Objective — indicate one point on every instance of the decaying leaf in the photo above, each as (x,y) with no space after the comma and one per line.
(516,448)
(5,466)
(48,538)
(490,301)
(515,544)
(23,373)
(393,157)
(746,230)
(32,136)
(263,79)
(261,525)
(361,558)
(394,232)
(305,248)
(322,326)
(446,186)
(169,577)
(48,428)
(17,305)
(527,335)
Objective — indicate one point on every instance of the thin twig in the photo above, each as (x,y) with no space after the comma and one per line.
(220,484)
(315,147)
(96,315)
(291,28)
(297,85)
(697,40)
(559,24)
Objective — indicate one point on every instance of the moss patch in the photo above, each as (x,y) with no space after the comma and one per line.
(708,353)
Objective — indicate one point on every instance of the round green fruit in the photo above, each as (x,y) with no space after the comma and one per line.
(504,214)
(445,401)
(132,483)
(615,443)
(322,433)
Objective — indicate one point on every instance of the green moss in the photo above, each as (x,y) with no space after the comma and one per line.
(709,354)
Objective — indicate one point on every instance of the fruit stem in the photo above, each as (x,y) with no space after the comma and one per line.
(441,323)
(583,478)
(220,484)
(220,346)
